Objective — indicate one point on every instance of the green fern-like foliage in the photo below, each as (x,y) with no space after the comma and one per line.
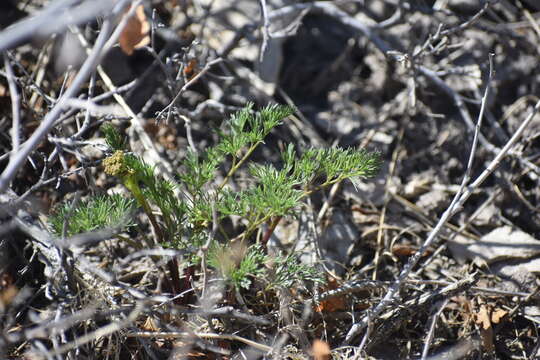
(238,265)
(248,128)
(188,208)
(113,138)
(200,169)
(149,189)
(289,271)
(332,165)
(96,213)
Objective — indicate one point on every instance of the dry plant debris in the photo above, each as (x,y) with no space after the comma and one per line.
(226,236)
(136,32)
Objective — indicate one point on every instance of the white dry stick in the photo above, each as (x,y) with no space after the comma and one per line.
(265,30)
(204,251)
(103,42)
(48,122)
(55,18)
(102,331)
(174,335)
(15,105)
(335,12)
(91,108)
(461,196)
(431,332)
(164,167)
(189,83)
(328,201)
(189,135)
(86,122)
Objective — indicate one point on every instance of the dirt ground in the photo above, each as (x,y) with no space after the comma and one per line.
(437,257)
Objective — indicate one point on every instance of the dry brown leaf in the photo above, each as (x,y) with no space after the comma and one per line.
(482,317)
(191,69)
(135,34)
(7,295)
(3,91)
(321,350)
(497,315)
(486,331)
(335,303)
(403,250)
(150,325)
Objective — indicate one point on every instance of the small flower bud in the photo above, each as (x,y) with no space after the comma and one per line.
(116,165)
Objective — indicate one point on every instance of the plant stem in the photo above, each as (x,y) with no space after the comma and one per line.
(131,183)
(277,219)
(270,230)
(237,165)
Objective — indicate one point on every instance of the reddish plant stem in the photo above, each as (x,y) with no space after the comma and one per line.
(270,230)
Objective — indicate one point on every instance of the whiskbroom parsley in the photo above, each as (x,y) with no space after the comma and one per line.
(96,213)
(270,192)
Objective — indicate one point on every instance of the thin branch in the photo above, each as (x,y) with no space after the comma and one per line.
(204,250)
(431,332)
(188,84)
(55,19)
(189,135)
(459,199)
(331,10)
(102,331)
(15,106)
(174,335)
(469,22)
(46,125)
(265,30)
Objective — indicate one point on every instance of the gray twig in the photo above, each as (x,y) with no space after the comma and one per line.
(459,199)
(431,332)
(55,19)
(89,65)
(331,10)
(265,30)
(15,105)
(188,84)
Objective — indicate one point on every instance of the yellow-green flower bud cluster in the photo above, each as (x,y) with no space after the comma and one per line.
(116,165)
